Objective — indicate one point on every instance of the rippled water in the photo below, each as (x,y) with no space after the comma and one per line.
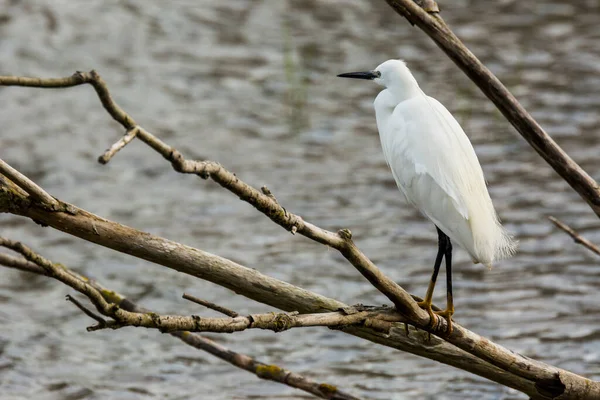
(252,84)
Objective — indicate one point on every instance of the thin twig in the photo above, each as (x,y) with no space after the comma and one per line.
(19,263)
(243,361)
(576,236)
(86,311)
(212,306)
(27,185)
(118,145)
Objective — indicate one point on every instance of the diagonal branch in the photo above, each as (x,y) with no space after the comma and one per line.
(118,145)
(576,236)
(212,306)
(434,26)
(262,370)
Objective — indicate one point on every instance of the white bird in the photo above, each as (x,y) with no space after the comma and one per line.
(437,170)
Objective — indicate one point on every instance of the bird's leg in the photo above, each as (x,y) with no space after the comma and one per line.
(449,311)
(426,303)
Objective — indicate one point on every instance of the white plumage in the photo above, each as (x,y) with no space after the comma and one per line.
(435,166)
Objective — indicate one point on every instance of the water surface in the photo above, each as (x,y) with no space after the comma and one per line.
(251,84)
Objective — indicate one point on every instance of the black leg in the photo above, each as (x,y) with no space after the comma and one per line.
(449,311)
(448,256)
(443,243)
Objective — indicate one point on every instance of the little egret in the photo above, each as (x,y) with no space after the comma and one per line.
(437,170)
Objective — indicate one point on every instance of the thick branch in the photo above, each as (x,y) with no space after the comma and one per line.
(434,26)
(262,370)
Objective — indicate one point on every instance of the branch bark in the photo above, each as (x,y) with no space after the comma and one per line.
(434,26)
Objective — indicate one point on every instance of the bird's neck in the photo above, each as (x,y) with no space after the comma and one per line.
(389,98)
(404,90)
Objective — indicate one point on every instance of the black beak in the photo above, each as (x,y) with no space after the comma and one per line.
(368,75)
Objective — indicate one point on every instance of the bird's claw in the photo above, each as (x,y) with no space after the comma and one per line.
(433,318)
(435,315)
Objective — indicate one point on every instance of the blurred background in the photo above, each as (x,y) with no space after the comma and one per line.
(251,84)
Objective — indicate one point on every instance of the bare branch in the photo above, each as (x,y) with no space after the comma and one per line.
(86,311)
(262,370)
(128,137)
(36,192)
(264,201)
(78,78)
(434,26)
(276,322)
(576,236)
(210,305)
(19,263)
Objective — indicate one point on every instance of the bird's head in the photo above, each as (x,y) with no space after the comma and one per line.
(391,74)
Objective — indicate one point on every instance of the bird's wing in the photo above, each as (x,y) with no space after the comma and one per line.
(425,146)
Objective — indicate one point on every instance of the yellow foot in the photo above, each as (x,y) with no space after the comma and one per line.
(447,315)
(433,319)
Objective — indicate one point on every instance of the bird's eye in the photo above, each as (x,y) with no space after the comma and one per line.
(378,74)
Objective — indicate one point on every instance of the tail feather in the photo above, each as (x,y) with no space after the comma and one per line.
(493,246)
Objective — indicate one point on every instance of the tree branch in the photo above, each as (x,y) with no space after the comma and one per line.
(262,370)
(27,185)
(212,306)
(276,322)
(118,145)
(576,236)
(434,26)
